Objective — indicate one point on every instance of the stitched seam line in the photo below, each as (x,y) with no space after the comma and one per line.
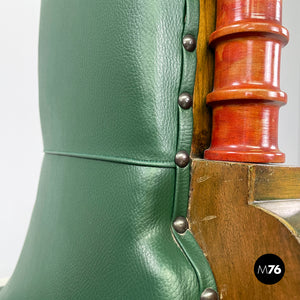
(181,143)
(122,160)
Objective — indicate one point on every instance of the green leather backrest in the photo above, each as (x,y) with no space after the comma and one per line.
(110,74)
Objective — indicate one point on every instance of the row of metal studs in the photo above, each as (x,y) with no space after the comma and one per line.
(182,159)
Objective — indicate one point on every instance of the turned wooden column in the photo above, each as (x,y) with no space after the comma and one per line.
(246,97)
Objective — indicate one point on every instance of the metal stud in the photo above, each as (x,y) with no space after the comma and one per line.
(209,294)
(182,159)
(185,100)
(189,43)
(180,224)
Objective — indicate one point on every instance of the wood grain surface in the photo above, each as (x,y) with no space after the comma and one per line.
(204,79)
(234,233)
(274,182)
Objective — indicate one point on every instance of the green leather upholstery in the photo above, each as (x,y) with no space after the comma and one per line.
(110,76)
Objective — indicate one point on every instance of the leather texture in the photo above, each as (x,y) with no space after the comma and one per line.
(101,230)
(110,76)
(103,71)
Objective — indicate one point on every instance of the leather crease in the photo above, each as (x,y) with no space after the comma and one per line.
(186,241)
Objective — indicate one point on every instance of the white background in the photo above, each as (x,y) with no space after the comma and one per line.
(20,135)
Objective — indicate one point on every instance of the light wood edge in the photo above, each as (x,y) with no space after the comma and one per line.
(288,225)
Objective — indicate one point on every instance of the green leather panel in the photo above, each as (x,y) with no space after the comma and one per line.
(101,230)
(185,117)
(110,74)
(197,259)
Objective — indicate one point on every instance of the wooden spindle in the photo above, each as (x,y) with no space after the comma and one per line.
(247,96)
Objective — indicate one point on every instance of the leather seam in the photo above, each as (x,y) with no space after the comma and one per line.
(184,140)
(115,159)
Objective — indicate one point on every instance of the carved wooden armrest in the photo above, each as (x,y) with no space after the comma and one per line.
(239,212)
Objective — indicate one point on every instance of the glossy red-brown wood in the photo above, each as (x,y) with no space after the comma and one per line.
(247,96)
